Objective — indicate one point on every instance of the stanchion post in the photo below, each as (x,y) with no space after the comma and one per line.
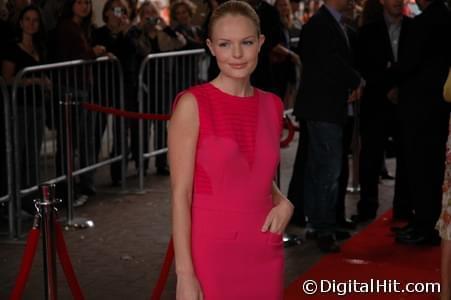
(69,156)
(47,209)
(79,223)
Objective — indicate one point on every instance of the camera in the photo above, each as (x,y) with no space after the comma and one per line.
(118,11)
(153,20)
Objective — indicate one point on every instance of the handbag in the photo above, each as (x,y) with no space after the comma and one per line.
(447,88)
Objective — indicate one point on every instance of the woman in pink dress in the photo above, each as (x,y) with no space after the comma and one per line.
(227,214)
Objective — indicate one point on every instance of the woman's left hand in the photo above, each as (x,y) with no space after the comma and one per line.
(278,217)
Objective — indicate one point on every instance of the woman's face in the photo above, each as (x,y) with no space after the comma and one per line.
(149,12)
(117,14)
(235,44)
(283,6)
(182,15)
(82,8)
(30,22)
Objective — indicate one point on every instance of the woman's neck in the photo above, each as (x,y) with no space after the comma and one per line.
(236,87)
(77,19)
(27,40)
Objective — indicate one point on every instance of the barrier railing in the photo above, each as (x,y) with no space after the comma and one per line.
(171,72)
(76,141)
(6,164)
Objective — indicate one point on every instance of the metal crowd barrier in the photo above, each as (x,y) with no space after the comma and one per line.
(6,165)
(161,77)
(48,114)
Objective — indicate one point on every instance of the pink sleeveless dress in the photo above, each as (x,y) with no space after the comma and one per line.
(236,160)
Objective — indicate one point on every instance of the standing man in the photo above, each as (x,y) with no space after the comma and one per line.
(329,82)
(424,118)
(380,43)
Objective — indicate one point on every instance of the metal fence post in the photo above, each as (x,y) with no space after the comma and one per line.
(48,219)
(12,229)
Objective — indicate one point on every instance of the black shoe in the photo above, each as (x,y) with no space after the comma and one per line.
(163,171)
(346,224)
(416,238)
(327,244)
(362,218)
(407,229)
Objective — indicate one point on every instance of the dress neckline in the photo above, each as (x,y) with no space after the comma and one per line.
(239,98)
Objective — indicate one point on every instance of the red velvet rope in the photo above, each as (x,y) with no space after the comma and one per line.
(66,264)
(123,113)
(158,290)
(25,267)
(291,130)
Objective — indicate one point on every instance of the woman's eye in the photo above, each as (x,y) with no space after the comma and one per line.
(248,43)
(223,45)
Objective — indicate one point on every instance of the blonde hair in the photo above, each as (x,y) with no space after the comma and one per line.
(234,8)
(190,6)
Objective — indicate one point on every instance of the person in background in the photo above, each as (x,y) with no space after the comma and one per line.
(329,83)
(73,40)
(444,222)
(181,13)
(152,35)
(424,117)
(273,50)
(114,36)
(287,73)
(381,44)
(27,51)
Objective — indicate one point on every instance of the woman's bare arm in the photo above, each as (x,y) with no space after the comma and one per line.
(183,133)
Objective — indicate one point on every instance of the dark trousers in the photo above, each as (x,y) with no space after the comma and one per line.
(321,181)
(424,134)
(344,174)
(377,123)
(296,186)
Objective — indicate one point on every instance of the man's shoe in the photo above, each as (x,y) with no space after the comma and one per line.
(416,238)
(327,244)
(406,229)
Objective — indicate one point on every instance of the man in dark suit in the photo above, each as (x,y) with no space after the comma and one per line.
(329,82)
(380,43)
(424,118)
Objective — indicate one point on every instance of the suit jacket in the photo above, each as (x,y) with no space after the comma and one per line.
(376,62)
(424,67)
(328,75)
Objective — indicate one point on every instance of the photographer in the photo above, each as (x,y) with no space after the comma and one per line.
(153,35)
(114,36)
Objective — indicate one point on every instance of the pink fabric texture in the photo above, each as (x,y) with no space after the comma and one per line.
(236,160)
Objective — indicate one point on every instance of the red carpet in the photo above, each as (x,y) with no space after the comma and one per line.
(372,254)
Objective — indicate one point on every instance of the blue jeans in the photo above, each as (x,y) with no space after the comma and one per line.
(321,181)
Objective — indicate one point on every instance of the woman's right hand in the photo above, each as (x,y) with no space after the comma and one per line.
(188,288)
(99,50)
